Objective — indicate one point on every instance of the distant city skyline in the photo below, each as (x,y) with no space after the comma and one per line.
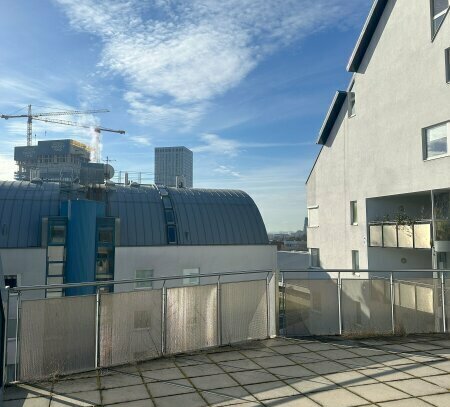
(249,105)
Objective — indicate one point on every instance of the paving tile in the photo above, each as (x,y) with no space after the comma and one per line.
(359,363)
(258,353)
(289,349)
(121,395)
(424,357)
(61,400)
(442,381)
(325,367)
(442,365)
(156,364)
(350,378)
(385,374)
(311,384)
(117,380)
(252,377)
(229,396)
(405,403)
(239,365)
(296,401)
(162,374)
(192,360)
(276,342)
(419,370)
(361,351)
(336,354)
(17,393)
(422,346)
(417,387)
(74,386)
(201,370)
(397,347)
(226,356)
(273,390)
(290,372)
(29,402)
(137,403)
(185,400)
(306,357)
(319,346)
(213,382)
(443,343)
(443,353)
(379,392)
(337,398)
(173,387)
(391,360)
(274,361)
(92,397)
(440,400)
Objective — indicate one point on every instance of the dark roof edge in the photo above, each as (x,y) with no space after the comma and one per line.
(366,35)
(314,165)
(332,115)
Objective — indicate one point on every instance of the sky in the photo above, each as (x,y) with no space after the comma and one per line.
(245,84)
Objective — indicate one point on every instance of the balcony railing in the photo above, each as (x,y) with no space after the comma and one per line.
(390,234)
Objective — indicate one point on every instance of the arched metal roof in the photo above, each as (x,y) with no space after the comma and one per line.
(22,207)
(202,217)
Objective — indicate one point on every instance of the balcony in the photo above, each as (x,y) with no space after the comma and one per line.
(417,235)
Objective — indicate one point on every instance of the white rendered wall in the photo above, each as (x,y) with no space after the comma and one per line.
(400,89)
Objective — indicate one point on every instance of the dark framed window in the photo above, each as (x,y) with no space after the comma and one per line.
(171,235)
(351,104)
(355,259)
(439,10)
(354,212)
(315,258)
(447,65)
(11,281)
(170,217)
(435,140)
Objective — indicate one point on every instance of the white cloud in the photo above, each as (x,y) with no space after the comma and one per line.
(224,170)
(7,168)
(141,140)
(214,144)
(177,55)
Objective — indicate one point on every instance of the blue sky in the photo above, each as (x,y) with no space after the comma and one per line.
(244,83)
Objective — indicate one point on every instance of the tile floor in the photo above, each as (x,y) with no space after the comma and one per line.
(387,372)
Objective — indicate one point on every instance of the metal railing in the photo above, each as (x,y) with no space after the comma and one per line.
(339,302)
(77,333)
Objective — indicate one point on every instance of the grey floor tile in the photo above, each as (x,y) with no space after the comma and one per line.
(173,387)
(239,365)
(312,384)
(228,396)
(440,400)
(74,386)
(359,363)
(296,401)
(29,402)
(201,370)
(290,372)
(92,397)
(258,353)
(422,346)
(361,351)
(289,349)
(226,356)
(252,377)
(17,393)
(185,400)
(192,360)
(118,380)
(443,365)
(156,364)
(162,374)
(442,380)
(325,367)
(336,354)
(306,357)
(319,346)
(138,403)
(417,387)
(121,395)
(337,398)
(405,403)
(350,378)
(213,382)
(386,374)
(273,361)
(272,390)
(419,370)
(391,359)
(379,392)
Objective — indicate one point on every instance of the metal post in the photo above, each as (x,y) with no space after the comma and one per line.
(219,314)
(17,358)
(444,316)
(97,328)
(283,302)
(268,304)
(5,343)
(391,284)
(163,318)
(339,303)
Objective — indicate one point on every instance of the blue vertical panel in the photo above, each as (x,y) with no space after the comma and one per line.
(81,244)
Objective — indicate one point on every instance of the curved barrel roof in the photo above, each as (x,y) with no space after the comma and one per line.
(201,216)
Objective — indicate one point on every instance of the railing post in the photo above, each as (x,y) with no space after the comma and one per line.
(339,287)
(97,327)
(5,343)
(268,304)
(444,316)
(219,314)
(283,301)
(17,358)
(163,318)
(391,285)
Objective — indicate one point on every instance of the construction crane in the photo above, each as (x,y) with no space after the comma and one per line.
(97,130)
(35,116)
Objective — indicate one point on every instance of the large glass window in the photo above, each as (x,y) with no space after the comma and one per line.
(315,258)
(438,10)
(436,141)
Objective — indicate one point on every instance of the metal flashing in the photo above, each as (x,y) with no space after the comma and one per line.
(331,117)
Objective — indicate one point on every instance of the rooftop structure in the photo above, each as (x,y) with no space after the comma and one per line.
(174,164)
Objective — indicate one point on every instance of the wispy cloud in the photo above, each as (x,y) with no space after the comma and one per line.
(141,140)
(215,144)
(225,170)
(176,55)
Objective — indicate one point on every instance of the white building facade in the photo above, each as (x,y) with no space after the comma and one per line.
(172,163)
(379,191)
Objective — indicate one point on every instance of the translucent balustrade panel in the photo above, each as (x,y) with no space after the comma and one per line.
(366,307)
(405,236)
(390,236)
(422,236)
(130,327)
(244,311)
(191,318)
(311,307)
(57,336)
(417,305)
(376,235)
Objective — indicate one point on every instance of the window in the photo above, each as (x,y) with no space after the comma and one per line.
(435,141)
(11,281)
(191,280)
(315,258)
(447,65)
(438,12)
(313,216)
(171,234)
(354,212)
(351,100)
(106,234)
(355,259)
(57,234)
(144,274)
(170,217)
